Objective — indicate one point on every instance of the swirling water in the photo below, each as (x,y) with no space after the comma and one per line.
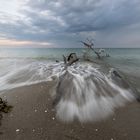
(85,91)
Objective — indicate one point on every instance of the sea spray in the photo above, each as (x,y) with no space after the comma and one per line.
(18,73)
(82,92)
(86,94)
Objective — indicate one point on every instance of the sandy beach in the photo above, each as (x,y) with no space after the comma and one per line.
(33,118)
(70,70)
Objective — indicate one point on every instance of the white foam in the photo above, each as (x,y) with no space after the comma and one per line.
(88,96)
(85,92)
(19,73)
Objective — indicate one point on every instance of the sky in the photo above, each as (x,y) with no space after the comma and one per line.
(64,23)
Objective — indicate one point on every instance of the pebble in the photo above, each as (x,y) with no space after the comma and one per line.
(46,111)
(17,130)
(114,119)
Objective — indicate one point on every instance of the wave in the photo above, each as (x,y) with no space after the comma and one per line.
(17,73)
(82,91)
(86,94)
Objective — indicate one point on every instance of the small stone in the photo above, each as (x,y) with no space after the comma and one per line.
(17,130)
(96,129)
(53,118)
(114,119)
(46,111)
(33,130)
(111,138)
(35,110)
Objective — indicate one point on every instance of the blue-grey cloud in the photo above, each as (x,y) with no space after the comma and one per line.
(91,15)
(63,21)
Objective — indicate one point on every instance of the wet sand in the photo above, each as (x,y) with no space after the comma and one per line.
(33,118)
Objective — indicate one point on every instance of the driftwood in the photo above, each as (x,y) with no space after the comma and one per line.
(72,58)
(90,45)
(57,61)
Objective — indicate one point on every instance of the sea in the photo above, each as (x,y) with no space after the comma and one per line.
(21,61)
(26,66)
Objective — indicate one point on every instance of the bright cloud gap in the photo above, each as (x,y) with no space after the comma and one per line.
(16,43)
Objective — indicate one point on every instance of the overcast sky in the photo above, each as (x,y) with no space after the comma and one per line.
(63,23)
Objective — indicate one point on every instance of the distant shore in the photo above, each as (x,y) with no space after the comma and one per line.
(33,118)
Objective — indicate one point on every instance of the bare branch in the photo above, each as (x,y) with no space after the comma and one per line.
(90,45)
(65,59)
(100,53)
(72,58)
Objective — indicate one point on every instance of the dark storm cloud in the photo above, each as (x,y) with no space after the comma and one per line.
(67,20)
(81,15)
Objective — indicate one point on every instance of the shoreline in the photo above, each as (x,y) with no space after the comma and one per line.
(33,117)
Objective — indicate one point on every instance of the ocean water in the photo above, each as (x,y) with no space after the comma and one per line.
(126,60)
(85,90)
